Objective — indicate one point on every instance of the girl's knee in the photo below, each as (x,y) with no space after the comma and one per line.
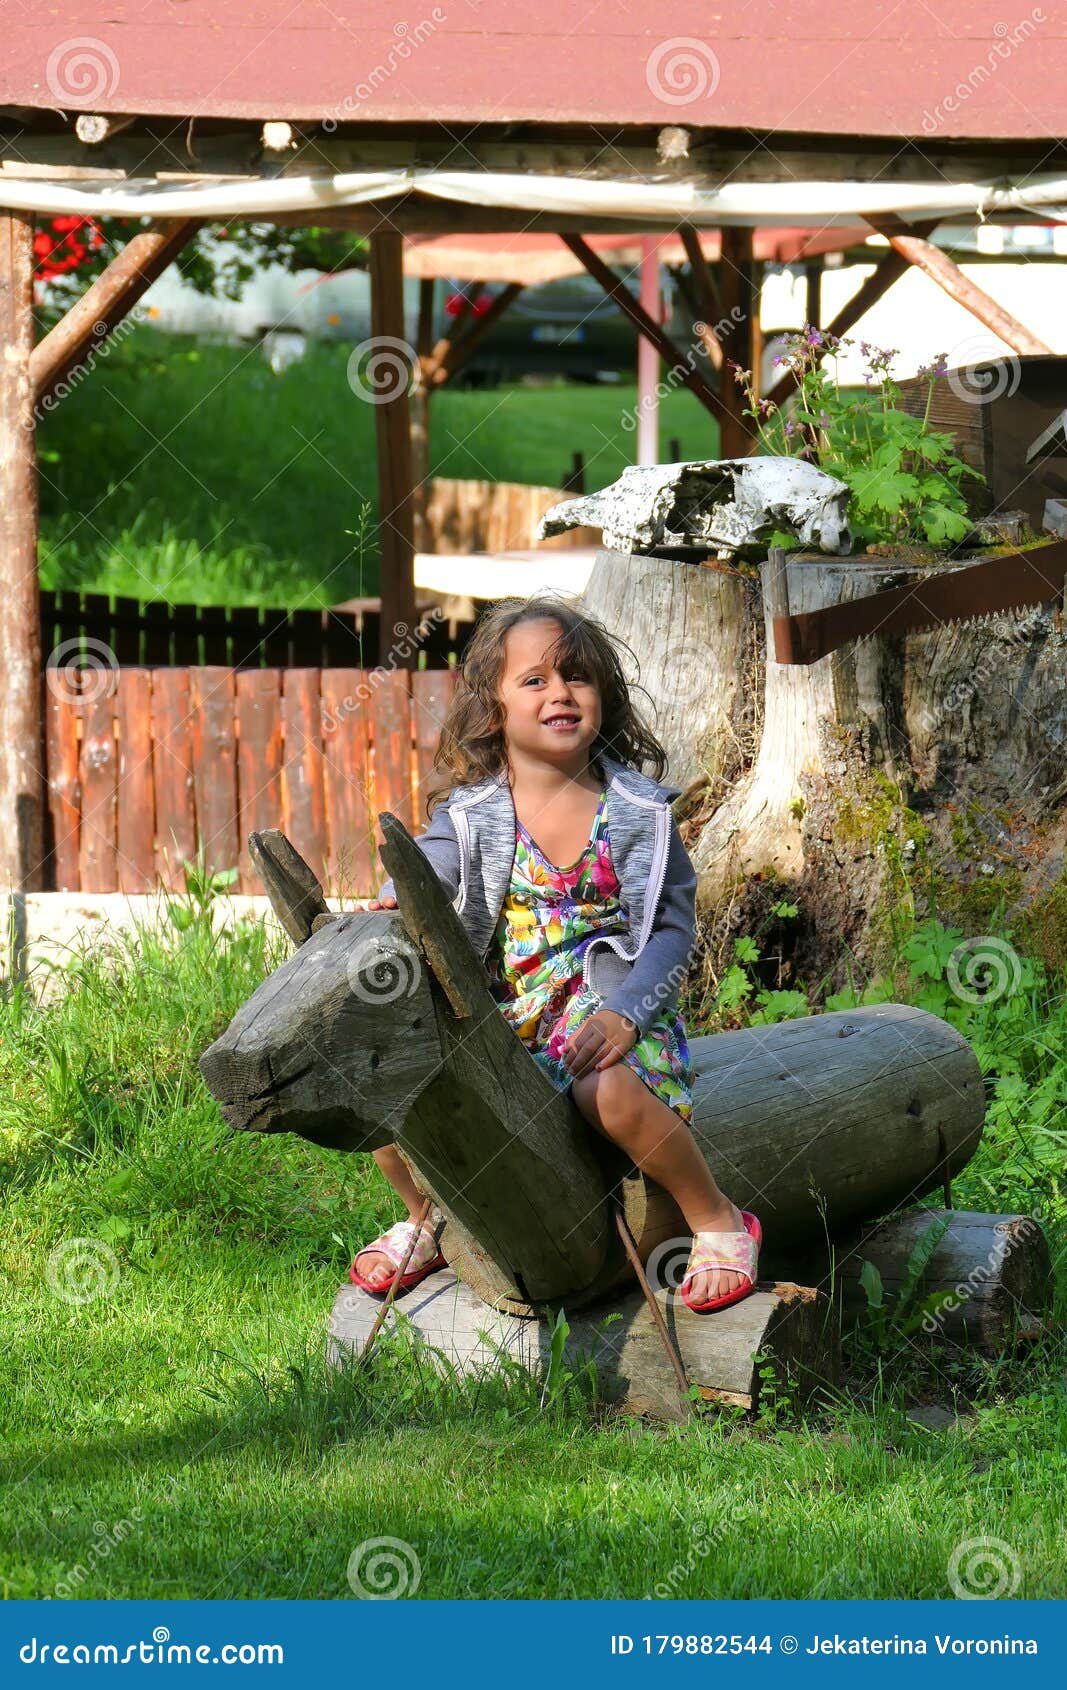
(610,1099)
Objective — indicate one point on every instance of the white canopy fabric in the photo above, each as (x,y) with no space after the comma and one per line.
(763,204)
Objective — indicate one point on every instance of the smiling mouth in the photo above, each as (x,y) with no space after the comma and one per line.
(559,723)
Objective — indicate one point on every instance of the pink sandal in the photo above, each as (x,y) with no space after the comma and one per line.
(425,1258)
(736,1252)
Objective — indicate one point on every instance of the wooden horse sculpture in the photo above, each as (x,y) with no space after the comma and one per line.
(382,1029)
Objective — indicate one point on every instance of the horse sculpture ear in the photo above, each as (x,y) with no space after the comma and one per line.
(432,922)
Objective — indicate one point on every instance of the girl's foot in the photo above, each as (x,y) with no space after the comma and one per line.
(375,1267)
(710,1283)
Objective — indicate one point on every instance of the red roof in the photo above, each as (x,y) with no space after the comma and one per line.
(953,69)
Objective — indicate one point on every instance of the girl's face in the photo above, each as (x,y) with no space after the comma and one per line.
(548,715)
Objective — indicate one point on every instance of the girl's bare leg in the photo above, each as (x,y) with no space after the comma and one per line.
(657,1141)
(372,1264)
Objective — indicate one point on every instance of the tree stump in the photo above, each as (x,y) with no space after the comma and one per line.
(780,1333)
(693,628)
(933,751)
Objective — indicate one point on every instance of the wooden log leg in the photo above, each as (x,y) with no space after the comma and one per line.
(778,1336)
(990,1275)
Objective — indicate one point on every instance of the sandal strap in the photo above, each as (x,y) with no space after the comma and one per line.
(394,1244)
(736,1252)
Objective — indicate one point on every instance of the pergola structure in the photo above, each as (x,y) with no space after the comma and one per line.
(566,119)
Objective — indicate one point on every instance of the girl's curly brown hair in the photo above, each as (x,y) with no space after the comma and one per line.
(472,747)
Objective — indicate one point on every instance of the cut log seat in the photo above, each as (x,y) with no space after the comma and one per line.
(784,1325)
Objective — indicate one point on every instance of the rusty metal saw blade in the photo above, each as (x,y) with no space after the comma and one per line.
(1011,581)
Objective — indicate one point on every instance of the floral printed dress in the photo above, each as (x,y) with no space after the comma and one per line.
(546,923)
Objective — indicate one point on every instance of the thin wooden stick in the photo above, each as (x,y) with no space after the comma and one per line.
(400,1272)
(657,1313)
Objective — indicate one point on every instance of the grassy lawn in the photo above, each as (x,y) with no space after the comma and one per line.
(176,1433)
(186,470)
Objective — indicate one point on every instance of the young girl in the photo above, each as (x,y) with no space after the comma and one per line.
(554,843)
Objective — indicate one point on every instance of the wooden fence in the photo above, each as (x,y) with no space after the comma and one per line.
(146,764)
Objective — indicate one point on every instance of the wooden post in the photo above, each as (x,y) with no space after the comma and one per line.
(22,780)
(393,431)
(947,274)
(739,338)
(420,416)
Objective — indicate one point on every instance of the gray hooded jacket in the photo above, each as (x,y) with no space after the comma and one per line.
(470,843)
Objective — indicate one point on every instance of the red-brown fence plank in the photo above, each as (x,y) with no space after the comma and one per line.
(346,780)
(172,767)
(61,714)
(303,812)
(259,756)
(98,774)
(136,784)
(431,693)
(392,758)
(211,707)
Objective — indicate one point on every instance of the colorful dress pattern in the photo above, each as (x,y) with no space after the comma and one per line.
(548,918)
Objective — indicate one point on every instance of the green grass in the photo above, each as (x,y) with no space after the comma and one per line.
(187,471)
(183,1420)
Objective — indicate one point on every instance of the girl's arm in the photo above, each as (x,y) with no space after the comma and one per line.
(440,845)
(655,981)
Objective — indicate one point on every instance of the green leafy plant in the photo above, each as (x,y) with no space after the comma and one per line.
(890,1322)
(904,476)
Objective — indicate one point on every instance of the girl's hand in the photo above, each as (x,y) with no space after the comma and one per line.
(601,1041)
(376,904)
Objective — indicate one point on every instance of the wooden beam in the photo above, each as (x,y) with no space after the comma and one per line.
(889,270)
(703,281)
(738,337)
(84,328)
(396,537)
(22,780)
(947,274)
(645,325)
(459,352)
(420,416)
